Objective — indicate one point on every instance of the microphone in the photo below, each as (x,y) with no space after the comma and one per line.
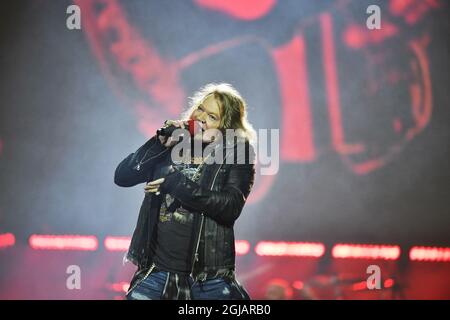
(167,131)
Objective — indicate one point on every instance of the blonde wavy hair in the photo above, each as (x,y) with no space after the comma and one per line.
(233,108)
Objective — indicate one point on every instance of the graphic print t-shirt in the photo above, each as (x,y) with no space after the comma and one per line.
(174,233)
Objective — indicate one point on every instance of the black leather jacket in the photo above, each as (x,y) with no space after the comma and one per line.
(218,197)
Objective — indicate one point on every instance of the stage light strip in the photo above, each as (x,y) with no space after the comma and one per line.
(362,285)
(117,243)
(242,247)
(429,254)
(295,249)
(63,242)
(366,251)
(7,240)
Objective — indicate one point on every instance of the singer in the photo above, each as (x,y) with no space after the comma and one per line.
(183,243)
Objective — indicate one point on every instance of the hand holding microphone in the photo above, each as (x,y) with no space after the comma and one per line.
(165,133)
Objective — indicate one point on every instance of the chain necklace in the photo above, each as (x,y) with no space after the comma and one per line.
(197,173)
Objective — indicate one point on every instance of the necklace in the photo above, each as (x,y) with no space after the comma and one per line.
(199,169)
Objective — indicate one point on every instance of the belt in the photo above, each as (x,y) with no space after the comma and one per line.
(200,276)
(211,274)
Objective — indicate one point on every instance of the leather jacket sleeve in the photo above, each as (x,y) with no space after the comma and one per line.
(138,166)
(224,206)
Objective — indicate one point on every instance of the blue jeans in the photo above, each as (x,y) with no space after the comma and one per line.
(211,289)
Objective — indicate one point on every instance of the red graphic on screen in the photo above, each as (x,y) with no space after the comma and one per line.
(292,68)
(245,10)
(412,11)
(155,91)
